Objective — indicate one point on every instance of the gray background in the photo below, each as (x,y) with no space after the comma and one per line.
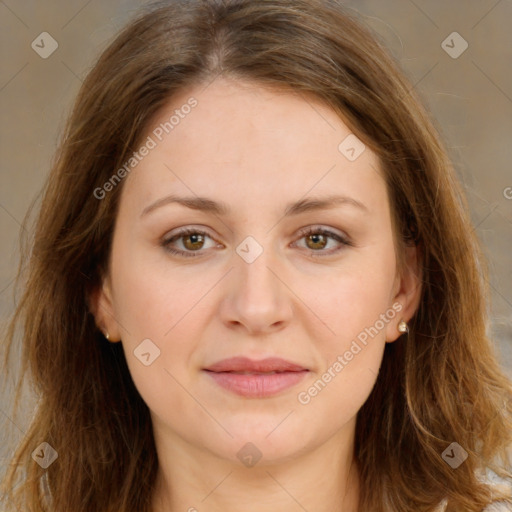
(470,98)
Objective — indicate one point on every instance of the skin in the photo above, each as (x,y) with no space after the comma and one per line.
(257,150)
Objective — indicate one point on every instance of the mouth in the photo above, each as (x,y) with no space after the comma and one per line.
(256,379)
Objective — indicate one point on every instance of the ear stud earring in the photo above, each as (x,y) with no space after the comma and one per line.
(107,335)
(403,327)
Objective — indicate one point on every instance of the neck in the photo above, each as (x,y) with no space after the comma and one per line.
(194,480)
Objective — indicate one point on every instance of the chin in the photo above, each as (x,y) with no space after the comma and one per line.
(265,439)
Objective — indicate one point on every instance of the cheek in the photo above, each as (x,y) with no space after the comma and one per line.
(355,310)
(164,313)
(354,298)
(358,313)
(151,301)
(160,316)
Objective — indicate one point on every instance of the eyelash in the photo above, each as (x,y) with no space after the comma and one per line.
(306,232)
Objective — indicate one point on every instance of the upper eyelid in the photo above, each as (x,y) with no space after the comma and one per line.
(204,231)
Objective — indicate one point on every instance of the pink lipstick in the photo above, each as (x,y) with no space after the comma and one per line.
(256,379)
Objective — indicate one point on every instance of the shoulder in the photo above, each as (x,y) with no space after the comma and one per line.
(500,486)
(501,506)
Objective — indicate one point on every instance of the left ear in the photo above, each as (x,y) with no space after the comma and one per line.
(407,292)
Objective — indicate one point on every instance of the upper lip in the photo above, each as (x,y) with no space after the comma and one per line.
(244,364)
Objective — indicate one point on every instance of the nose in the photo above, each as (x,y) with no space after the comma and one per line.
(258,298)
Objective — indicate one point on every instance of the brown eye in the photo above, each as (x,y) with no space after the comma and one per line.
(192,241)
(317,239)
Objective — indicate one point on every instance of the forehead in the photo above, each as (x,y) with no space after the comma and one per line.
(250,142)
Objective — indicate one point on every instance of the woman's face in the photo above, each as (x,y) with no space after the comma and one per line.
(249,283)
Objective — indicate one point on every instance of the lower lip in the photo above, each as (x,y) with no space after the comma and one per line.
(254,385)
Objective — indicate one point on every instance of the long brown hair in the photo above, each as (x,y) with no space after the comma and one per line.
(439,384)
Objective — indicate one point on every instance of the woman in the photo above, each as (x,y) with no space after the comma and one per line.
(254,283)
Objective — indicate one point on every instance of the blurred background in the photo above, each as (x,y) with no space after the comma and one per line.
(458,56)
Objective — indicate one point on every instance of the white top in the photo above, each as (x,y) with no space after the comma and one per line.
(499,485)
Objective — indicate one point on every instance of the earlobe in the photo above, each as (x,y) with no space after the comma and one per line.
(403,327)
(101,305)
(408,294)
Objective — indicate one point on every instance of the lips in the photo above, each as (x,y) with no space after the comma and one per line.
(244,364)
(256,379)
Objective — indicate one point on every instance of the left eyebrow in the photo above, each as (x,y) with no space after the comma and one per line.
(322,203)
(222,209)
